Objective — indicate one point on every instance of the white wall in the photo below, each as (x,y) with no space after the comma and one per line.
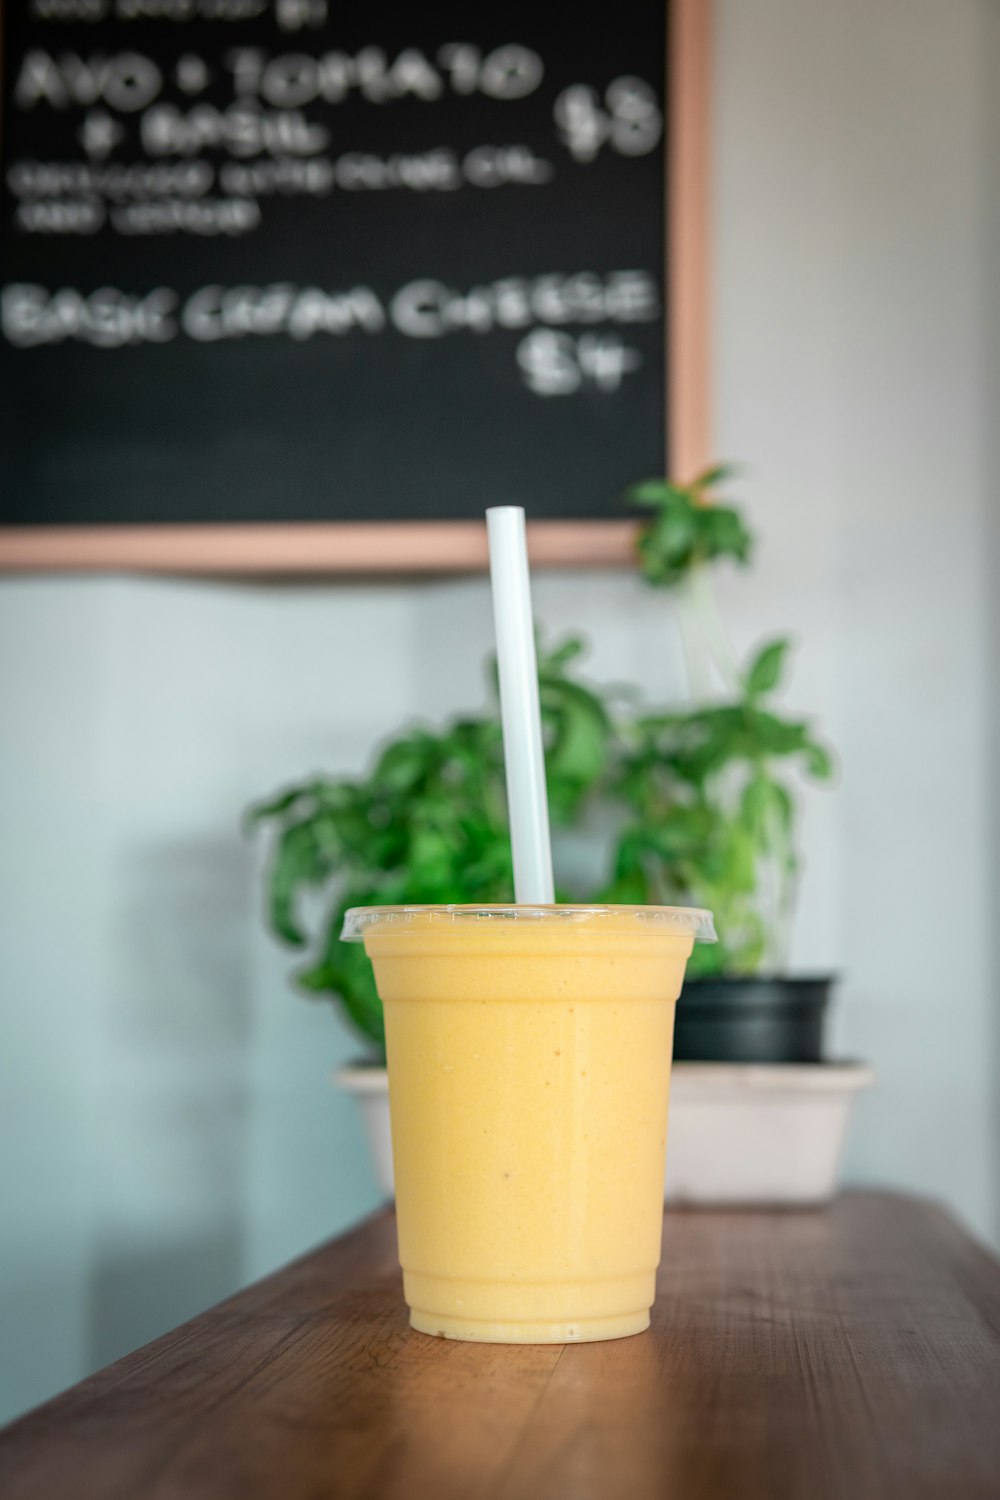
(166,1127)
(852,279)
(990,70)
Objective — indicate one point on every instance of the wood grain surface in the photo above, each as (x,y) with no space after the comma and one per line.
(853,1352)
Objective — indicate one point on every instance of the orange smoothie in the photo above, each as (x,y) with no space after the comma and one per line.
(529,1066)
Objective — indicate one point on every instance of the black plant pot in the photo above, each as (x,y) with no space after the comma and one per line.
(752,1020)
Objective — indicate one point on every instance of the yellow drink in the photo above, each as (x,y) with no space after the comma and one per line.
(529,1067)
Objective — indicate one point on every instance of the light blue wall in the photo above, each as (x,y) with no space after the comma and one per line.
(167,1128)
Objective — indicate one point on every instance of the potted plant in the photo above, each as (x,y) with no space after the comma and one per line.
(712,801)
(714,822)
(699,800)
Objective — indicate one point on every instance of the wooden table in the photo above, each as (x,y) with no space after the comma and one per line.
(849,1353)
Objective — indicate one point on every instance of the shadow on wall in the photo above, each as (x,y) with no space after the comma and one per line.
(138,1294)
(172,1100)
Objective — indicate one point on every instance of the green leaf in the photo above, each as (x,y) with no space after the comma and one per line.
(724,533)
(819,761)
(577,731)
(711,478)
(784,815)
(579,725)
(649,492)
(553,661)
(740,860)
(676,529)
(765,670)
(658,563)
(756,804)
(767,812)
(667,548)
(627,890)
(628,855)
(403,764)
(273,808)
(707,740)
(772,735)
(344,972)
(783,808)
(706,961)
(297,863)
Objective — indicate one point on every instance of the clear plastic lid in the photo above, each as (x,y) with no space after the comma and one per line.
(651,919)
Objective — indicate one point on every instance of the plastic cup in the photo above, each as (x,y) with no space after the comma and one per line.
(529,1069)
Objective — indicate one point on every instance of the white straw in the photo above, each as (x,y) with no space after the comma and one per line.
(527,804)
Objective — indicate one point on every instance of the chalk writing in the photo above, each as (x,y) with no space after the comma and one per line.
(550,363)
(271,118)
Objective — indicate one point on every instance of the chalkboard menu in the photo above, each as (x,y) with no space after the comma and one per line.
(296,262)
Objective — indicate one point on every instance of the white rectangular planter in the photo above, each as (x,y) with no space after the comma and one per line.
(739,1134)
(742,1134)
(370,1087)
